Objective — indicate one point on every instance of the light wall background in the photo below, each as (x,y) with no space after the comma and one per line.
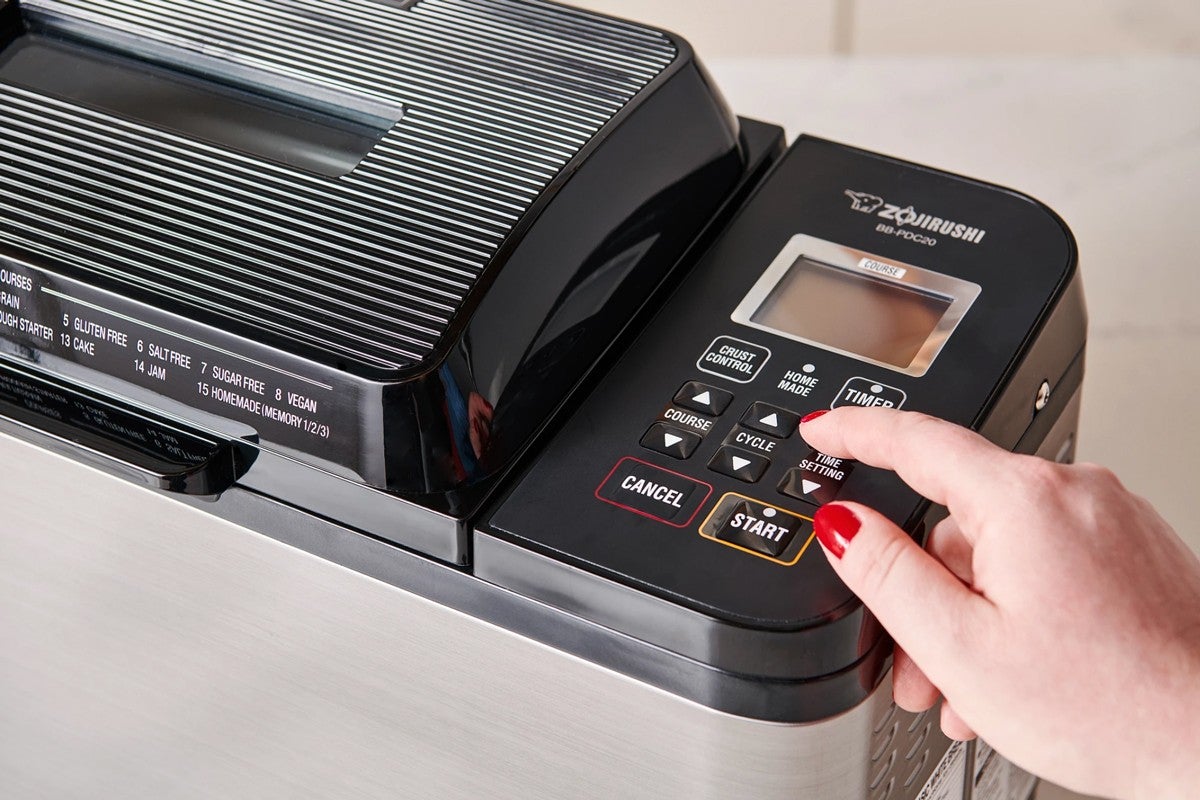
(920,27)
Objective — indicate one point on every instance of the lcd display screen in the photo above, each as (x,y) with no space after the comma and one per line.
(859,314)
(238,117)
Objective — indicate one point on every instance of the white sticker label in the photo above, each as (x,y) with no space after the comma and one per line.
(891,270)
(946,782)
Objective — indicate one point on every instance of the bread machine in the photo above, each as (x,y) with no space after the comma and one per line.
(399,399)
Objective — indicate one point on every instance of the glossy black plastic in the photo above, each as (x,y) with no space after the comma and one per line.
(801,673)
(144,447)
(434,437)
(552,539)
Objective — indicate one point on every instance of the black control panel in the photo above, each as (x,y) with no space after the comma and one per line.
(849,279)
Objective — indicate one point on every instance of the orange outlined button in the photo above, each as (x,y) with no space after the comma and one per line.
(759,529)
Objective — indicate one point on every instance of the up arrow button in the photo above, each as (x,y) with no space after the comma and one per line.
(703,399)
(771,420)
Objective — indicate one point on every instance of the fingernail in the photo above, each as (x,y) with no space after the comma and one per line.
(836,525)
(814,415)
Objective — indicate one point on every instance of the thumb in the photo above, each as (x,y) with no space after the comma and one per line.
(924,607)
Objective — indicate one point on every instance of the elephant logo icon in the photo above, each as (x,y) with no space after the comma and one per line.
(866,203)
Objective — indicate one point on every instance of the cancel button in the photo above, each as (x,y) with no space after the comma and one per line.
(653,492)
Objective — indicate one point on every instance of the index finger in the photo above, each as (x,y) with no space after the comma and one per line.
(942,461)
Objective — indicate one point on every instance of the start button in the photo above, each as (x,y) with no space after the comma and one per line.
(759,528)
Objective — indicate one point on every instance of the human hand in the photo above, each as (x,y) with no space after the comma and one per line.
(1057,613)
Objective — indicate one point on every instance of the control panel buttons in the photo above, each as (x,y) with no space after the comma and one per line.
(680,418)
(733,359)
(739,464)
(654,492)
(758,528)
(746,439)
(703,398)
(771,420)
(818,479)
(673,442)
(869,393)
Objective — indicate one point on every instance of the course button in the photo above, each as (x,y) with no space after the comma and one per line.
(669,441)
(703,398)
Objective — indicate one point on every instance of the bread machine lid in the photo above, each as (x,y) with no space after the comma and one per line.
(333,180)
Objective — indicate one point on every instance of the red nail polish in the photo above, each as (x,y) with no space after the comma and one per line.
(836,525)
(814,415)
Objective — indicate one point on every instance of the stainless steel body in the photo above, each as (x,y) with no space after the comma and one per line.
(421,608)
(152,650)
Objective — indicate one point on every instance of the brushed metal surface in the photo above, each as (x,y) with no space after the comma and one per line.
(152,651)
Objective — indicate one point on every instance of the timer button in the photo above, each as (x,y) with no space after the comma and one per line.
(703,398)
(739,464)
(868,393)
(670,441)
(772,420)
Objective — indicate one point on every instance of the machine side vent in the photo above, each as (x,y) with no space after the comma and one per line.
(905,749)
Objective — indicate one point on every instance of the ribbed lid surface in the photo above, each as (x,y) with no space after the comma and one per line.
(497,97)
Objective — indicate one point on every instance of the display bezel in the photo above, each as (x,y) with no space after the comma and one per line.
(962,294)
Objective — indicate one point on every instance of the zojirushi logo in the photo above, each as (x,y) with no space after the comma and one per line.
(908,218)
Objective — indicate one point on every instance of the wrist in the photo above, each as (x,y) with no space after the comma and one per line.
(1167,767)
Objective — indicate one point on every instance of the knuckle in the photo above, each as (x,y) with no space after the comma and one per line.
(922,425)
(910,426)
(1043,478)
(1099,476)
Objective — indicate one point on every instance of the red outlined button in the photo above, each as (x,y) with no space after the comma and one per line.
(654,492)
